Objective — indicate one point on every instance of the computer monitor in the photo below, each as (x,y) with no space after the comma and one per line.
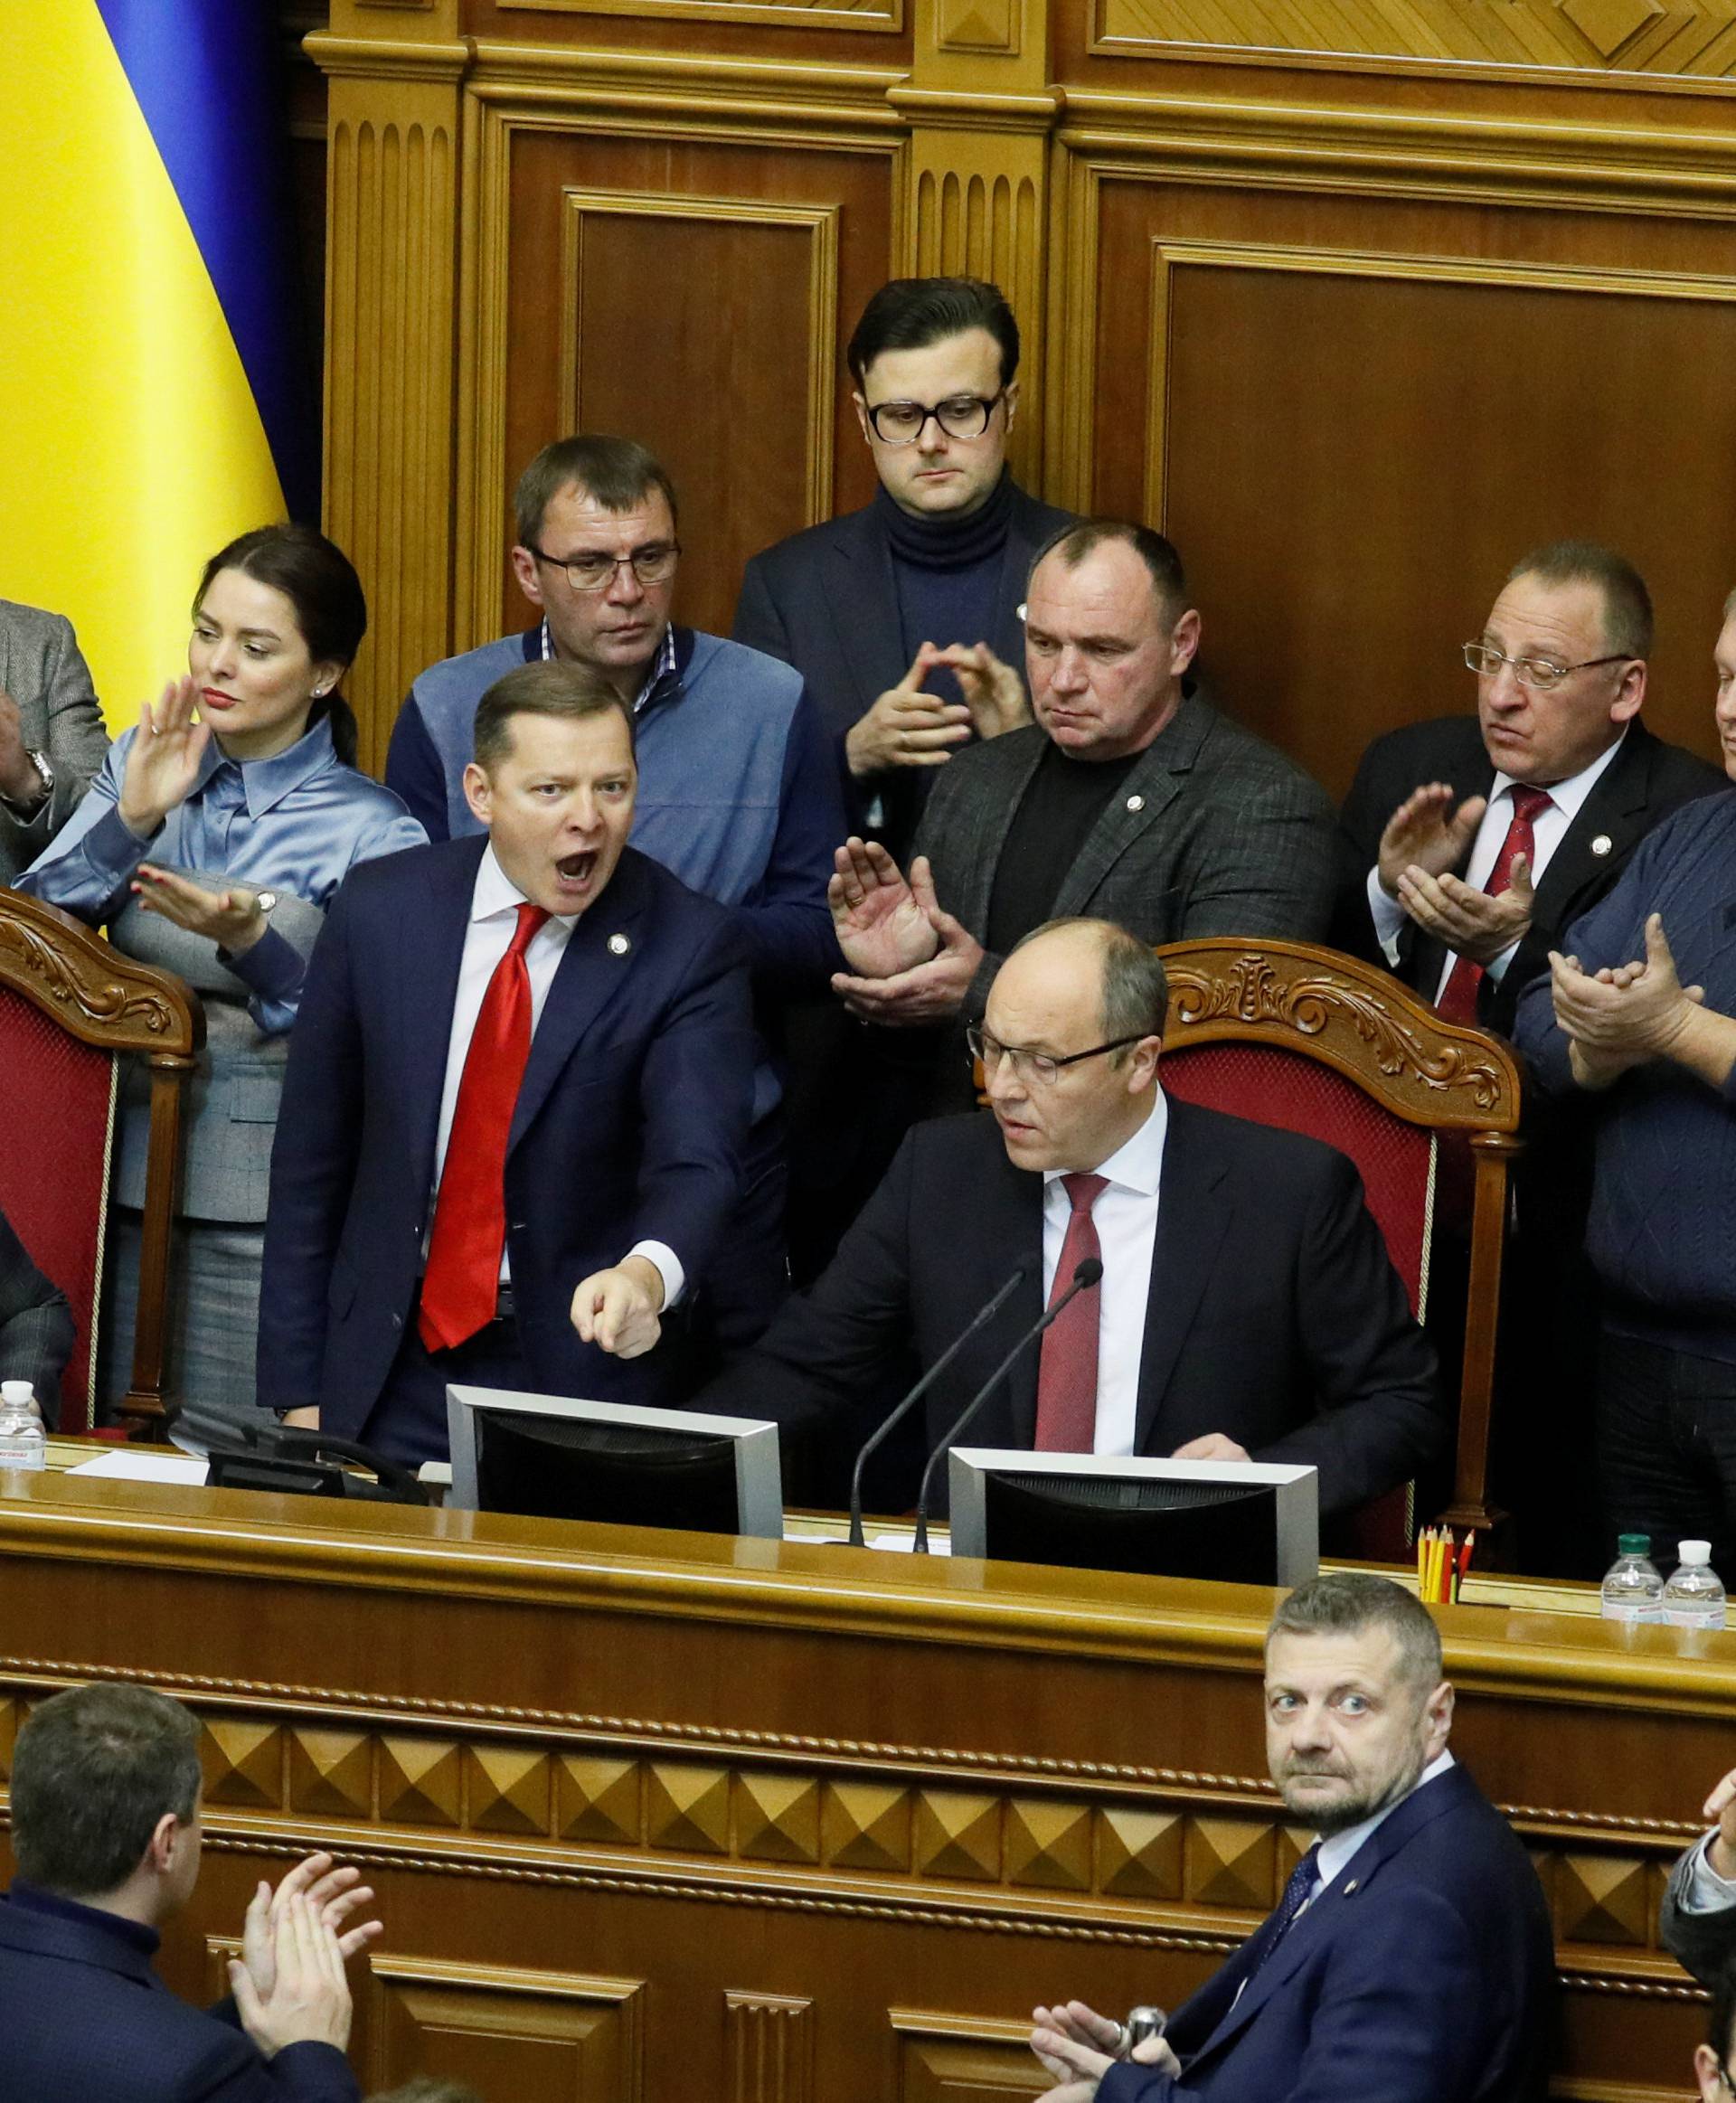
(1247,1523)
(615,1463)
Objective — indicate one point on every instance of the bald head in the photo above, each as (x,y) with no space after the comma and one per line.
(1073,986)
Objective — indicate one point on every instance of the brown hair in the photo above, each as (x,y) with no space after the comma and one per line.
(550,687)
(616,473)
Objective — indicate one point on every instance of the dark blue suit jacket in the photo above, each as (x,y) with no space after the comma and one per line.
(628,1127)
(84,2018)
(1424,1975)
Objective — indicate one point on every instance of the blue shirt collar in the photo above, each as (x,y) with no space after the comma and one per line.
(266,782)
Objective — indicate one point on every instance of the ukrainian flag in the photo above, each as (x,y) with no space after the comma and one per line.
(151,400)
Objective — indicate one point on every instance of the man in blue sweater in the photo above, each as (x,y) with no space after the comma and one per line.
(737,794)
(1639,1011)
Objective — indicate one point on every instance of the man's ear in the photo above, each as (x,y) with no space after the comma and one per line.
(1631,695)
(479,793)
(1143,1061)
(161,1847)
(1010,396)
(524,568)
(1184,643)
(861,405)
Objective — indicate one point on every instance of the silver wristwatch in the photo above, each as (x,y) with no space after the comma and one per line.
(44,774)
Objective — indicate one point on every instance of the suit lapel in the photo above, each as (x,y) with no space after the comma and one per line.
(1194,1216)
(601,953)
(1018,1221)
(1616,811)
(1137,805)
(862,598)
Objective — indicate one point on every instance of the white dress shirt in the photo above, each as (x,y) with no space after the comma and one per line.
(494,920)
(1705,1892)
(1548,828)
(1125,1218)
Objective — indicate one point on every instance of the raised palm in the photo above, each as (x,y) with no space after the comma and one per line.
(162,761)
(881,926)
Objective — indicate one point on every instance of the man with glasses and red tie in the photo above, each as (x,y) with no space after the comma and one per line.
(1247,1308)
(737,792)
(1469,843)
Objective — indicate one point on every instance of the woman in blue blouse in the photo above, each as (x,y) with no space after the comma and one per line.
(212,842)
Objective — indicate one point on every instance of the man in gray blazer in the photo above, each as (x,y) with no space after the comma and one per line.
(51,737)
(1698,1921)
(1130,799)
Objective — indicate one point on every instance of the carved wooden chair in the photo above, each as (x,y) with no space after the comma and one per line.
(1315,1041)
(71,1008)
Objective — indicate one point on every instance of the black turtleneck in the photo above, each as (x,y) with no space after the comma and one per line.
(948,572)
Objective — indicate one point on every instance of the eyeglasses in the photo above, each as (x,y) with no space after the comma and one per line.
(653,564)
(960,416)
(1039,1066)
(1541,673)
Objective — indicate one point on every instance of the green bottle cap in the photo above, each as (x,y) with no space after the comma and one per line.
(1634,1543)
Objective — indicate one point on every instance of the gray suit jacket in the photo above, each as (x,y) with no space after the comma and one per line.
(42,669)
(36,1331)
(1701,1943)
(1214,832)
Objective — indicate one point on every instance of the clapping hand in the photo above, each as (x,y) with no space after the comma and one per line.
(335,1895)
(307,2000)
(1625,1013)
(878,917)
(1078,2046)
(1471,922)
(164,758)
(1427,833)
(928,992)
(906,727)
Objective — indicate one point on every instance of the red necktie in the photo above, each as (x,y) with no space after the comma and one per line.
(461,1285)
(1066,1370)
(1457,1001)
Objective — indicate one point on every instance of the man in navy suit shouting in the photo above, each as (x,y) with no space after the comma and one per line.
(516,1100)
(1410,1959)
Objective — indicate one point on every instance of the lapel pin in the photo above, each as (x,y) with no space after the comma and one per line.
(618,945)
(1136,803)
(1350,1887)
(1602,844)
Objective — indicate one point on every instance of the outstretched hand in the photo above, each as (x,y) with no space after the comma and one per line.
(1470,922)
(1427,833)
(927,993)
(880,921)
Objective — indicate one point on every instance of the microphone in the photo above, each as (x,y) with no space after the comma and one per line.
(1088,1274)
(984,1314)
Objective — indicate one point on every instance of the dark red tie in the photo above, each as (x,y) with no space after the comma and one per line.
(1457,1001)
(1066,1370)
(462,1282)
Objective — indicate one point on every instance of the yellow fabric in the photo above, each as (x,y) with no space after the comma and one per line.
(130,446)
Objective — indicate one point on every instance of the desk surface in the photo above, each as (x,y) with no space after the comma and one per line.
(671,1795)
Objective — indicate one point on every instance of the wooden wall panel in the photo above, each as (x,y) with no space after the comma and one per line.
(507,2032)
(1354,414)
(696,296)
(957,2059)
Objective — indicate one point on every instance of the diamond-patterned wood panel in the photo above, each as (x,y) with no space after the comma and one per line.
(243,1759)
(331,1773)
(1140,1852)
(422,1781)
(867,1826)
(777,1817)
(1048,1844)
(687,1807)
(509,1790)
(1602,1898)
(1232,1862)
(598,1799)
(959,1835)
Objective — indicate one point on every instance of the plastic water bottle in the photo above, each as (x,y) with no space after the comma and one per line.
(1633,1591)
(22,1442)
(1694,1596)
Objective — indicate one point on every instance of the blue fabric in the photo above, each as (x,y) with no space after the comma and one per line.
(86,2017)
(737,796)
(1662,1230)
(629,1126)
(294,823)
(205,76)
(1424,1974)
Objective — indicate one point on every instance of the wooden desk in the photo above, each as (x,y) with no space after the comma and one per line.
(675,1817)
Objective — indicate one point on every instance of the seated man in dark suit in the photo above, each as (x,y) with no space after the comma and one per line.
(516,1098)
(1410,1959)
(36,1331)
(1248,1307)
(1458,871)
(105,1829)
(902,617)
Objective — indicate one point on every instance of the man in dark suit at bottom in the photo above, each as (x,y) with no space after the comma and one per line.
(1410,1959)
(106,1828)
(1248,1307)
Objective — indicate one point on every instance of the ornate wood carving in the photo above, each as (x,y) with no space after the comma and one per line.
(1361,1021)
(768,2048)
(92,990)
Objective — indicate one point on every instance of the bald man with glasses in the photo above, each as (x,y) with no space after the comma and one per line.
(1247,1309)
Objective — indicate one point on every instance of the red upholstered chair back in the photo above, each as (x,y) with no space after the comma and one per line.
(70,1007)
(1313,1041)
(59,1097)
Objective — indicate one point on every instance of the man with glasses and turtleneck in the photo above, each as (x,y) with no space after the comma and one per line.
(903,617)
